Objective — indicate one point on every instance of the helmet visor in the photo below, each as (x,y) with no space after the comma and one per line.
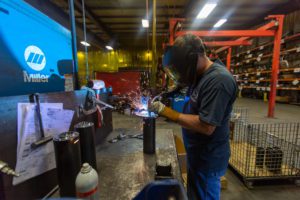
(169,66)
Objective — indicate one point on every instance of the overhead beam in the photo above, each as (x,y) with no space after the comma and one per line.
(132,16)
(267,26)
(229,33)
(133,7)
(227,43)
(93,18)
(189,6)
(56,13)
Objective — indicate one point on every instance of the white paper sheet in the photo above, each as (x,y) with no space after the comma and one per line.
(33,162)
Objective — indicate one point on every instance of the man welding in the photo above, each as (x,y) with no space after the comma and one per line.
(206,114)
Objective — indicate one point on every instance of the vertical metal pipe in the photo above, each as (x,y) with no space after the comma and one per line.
(85,46)
(275,65)
(74,44)
(154,64)
(149,135)
(228,60)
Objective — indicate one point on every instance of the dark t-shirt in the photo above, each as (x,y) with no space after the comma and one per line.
(212,99)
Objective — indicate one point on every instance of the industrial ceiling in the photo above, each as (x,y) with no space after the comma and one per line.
(119,21)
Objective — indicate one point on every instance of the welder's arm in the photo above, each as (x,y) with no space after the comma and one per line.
(188,121)
(193,123)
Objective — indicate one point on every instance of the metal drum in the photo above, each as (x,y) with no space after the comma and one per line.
(86,132)
(68,162)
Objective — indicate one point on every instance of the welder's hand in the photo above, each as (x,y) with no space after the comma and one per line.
(159,108)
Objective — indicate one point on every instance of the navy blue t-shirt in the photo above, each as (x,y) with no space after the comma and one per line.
(212,99)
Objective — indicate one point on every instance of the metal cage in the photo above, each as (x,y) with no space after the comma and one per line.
(264,151)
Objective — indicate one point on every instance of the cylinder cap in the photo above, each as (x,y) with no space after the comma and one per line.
(86,168)
(66,136)
(83,124)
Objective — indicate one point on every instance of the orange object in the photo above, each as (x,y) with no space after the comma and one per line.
(263,31)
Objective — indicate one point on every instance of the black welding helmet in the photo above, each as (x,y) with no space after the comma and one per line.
(180,62)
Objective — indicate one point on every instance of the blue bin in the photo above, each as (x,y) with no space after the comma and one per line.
(162,190)
(178,103)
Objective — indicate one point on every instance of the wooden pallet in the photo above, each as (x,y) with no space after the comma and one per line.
(243,157)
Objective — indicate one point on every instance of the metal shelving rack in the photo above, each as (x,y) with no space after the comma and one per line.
(259,54)
(272,28)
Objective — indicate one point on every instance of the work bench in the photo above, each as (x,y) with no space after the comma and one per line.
(123,167)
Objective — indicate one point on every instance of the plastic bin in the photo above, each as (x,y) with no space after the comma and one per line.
(162,190)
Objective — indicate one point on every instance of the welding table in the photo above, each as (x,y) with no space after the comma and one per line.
(124,169)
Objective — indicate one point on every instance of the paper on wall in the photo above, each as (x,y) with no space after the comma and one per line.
(33,162)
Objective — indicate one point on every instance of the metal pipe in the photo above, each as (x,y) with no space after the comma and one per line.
(74,44)
(149,135)
(86,132)
(154,64)
(229,33)
(68,162)
(85,46)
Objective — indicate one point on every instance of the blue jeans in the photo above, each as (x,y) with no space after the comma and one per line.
(204,186)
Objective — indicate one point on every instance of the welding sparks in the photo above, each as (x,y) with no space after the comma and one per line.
(139,102)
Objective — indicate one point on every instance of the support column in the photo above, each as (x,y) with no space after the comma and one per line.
(228,60)
(275,65)
(154,63)
(74,44)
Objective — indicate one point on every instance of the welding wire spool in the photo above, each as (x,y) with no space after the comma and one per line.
(68,161)
(86,132)
(149,135)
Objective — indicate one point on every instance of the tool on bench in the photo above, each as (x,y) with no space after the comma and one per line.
(123,136)
(43,139)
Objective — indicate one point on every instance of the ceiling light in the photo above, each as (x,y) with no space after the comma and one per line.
(206,10)
(145,23)
(109,48)
(84,43)
(220,23)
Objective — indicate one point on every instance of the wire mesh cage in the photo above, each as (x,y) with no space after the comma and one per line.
(265,151)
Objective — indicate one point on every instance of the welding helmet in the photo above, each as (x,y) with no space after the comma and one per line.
(180,60)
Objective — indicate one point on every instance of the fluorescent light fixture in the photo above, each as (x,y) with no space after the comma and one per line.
(109,48)
(220,23)
(145,23)
(85,43)
(206,10)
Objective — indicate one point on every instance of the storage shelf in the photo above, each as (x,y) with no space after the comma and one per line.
(296,70)
(297,49)
(268,80)
(267,44)
(265,88)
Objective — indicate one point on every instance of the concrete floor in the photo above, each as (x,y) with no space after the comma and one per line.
(258,110)
(236,189)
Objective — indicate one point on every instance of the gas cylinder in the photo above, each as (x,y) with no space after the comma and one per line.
(87,183)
